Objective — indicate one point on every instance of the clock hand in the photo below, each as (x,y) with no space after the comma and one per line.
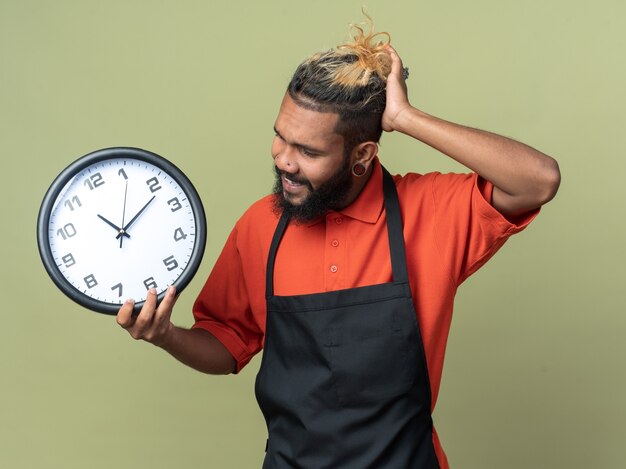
(123,214)
(124,230)
(113,225)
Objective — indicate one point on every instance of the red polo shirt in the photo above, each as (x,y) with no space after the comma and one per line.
(450,230)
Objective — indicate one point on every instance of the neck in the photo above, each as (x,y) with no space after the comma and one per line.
(358,183)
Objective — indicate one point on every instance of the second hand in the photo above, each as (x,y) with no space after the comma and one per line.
(123,213)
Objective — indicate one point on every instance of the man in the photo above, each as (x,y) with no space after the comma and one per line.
(346,276)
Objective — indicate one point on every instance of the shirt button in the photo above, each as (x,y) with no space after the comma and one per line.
(339,220)
(333,268)
(335,243)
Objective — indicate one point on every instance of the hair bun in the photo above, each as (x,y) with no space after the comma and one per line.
(372,56)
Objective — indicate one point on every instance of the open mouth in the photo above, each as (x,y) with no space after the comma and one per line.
(292,182)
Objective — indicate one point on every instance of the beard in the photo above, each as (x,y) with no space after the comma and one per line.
(328,196)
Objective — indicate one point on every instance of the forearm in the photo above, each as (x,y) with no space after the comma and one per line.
(200,350)
(193,347)
(523,177)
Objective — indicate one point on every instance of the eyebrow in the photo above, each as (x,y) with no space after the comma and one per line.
(300,145)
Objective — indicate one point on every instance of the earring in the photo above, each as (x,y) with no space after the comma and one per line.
(358,169)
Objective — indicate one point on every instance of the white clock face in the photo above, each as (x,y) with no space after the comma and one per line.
(120,227)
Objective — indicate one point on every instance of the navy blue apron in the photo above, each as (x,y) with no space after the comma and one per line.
(343,382)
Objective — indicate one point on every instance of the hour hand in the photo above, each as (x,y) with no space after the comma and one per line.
(114,226)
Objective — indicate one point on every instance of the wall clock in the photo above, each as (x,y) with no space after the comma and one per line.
(117,222)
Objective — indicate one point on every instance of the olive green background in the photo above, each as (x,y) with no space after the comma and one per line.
(535,374)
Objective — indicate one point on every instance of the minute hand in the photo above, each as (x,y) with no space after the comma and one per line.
(132,220)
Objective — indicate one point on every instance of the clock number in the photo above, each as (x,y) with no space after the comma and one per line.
(149,283)
(179,234)
(174,204)
(153,184)
(67,231)
(119,288)
(122,173)
(70,203)
(170,263)
(68,260)
(95,180)
(90,281)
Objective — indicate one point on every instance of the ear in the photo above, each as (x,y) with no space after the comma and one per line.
(364,153)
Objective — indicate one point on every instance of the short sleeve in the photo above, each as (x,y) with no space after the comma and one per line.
(469,230)
(223,306)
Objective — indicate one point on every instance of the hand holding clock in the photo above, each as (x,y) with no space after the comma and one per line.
(196,348)
(152,324)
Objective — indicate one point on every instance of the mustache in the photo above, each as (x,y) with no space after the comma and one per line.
(291,177)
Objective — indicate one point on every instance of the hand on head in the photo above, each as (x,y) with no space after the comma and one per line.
(397,97)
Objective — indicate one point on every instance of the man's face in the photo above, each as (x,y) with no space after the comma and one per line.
(313,173)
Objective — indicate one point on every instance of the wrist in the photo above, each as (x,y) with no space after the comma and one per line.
(407,120)
(167,339)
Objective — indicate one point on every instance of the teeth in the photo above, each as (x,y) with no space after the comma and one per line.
(293,183)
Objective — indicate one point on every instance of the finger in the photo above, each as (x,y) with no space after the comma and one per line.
(396,61)
(164,310)
(125,315)
(144,318)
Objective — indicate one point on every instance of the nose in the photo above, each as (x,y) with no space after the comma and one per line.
(284,156)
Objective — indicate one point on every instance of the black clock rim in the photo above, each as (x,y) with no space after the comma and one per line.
(76,167)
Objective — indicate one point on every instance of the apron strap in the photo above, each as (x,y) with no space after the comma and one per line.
(394,231)
(271,259)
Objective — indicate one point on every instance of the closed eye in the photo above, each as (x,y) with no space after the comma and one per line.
(305,150)
(308,152)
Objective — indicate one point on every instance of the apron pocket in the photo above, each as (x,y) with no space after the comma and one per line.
(373,353)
